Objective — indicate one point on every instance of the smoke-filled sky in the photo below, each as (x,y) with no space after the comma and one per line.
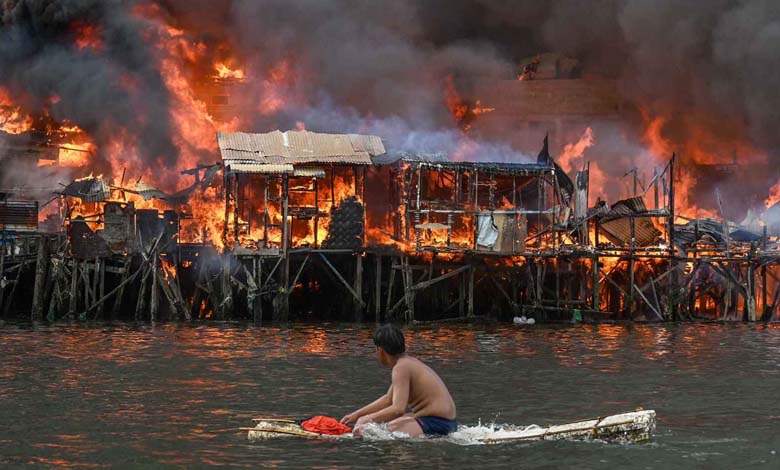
(708,67)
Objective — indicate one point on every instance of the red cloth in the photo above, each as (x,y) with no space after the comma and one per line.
(325,425)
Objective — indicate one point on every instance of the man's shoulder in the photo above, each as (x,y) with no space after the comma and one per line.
(409,363)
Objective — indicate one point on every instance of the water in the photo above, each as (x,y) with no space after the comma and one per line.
(174,395)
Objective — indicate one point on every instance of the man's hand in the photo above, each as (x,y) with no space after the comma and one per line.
(362,421)
(357,430)
(348,418)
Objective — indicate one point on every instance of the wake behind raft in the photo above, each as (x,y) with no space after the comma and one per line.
(634,426)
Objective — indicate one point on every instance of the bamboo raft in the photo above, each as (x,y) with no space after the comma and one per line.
(635,426)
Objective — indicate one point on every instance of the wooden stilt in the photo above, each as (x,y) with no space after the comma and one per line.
(13,289)
(2,267)
(462,295)
(120,294)
(154,301)
(358,286)
(390,287)
(227,288)
(74,282)
(41,269)
(120,287)
(140,305)
(470,313)
(95,282)
(102,286)
(378,288)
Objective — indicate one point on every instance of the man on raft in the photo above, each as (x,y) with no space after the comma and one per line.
(414,385)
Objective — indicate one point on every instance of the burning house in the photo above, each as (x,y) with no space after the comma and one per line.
(437,209)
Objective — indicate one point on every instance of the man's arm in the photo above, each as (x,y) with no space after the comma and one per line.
(399,400)
(382,402)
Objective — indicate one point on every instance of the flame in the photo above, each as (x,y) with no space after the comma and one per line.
(223,71)
(88,36)
(12,119)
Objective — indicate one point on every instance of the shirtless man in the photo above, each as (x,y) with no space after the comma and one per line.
(414,385)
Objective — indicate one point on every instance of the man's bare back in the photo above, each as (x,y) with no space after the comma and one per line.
(428,396)
(414,386)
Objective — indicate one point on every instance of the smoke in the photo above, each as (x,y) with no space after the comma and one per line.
(708,68)
(116,86)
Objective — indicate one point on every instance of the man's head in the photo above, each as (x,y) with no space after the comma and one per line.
(389,339)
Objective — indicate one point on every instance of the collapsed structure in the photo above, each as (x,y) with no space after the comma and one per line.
(308,219)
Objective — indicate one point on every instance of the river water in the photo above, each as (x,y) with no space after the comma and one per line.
(174,395)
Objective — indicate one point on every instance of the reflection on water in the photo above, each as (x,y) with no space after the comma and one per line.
(76,396)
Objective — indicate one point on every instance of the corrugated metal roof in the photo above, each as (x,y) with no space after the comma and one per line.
(259,168)
(88,189)
(393,157)
(618,231)
(309,172)
(299,147)
(149,192)
(19,215)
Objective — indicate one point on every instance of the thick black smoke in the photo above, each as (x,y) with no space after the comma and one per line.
(115,88)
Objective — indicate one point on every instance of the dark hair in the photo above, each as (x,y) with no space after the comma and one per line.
(390,338)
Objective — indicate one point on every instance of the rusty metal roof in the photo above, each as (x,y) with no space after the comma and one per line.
(296,147)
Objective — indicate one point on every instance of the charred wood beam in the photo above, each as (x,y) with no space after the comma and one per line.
(343,281)
(430,282)
(116,289)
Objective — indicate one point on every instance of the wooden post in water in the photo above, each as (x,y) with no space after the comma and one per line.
(41,269)
(632,222)
(378,289)
(140,305)
(13,289)
(673,277)
(74,282)
(102,287)
(119,295)
(595,274)
(390,287)
(358,286)
(227,287)
(2,266)
(471,292)
(462,296)
(282,298)
(154,303)
(254,298)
